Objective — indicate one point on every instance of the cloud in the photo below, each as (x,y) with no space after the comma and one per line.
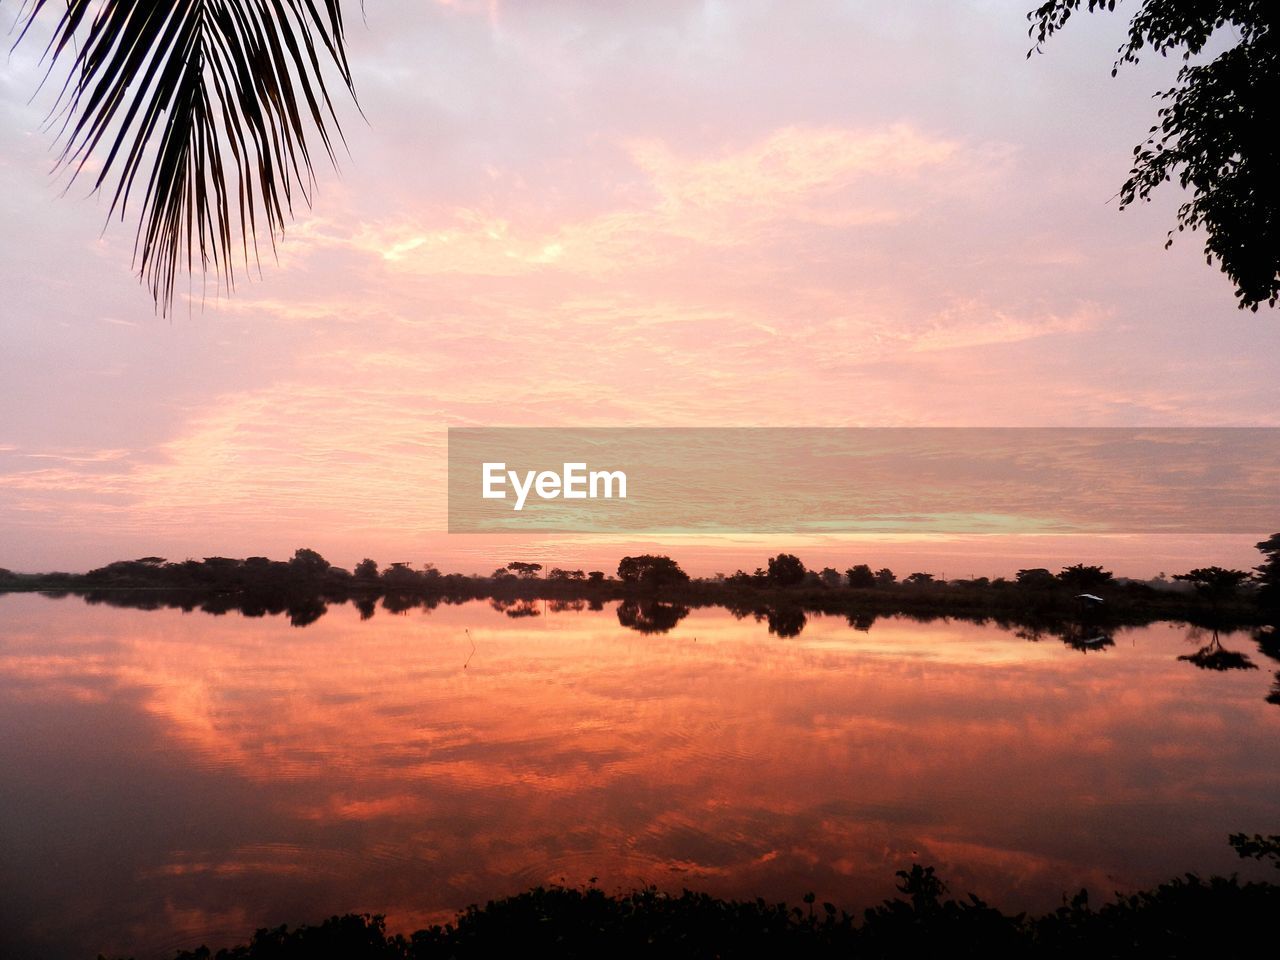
(795,173)
(968,324)
(79,457)
(794,180)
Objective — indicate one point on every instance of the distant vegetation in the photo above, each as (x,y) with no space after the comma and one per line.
(1080,605)
(1187,917)
(655,589)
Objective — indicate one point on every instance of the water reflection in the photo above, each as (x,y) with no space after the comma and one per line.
(1268,639)
(650,616)
(786,621)
(516,609)
(174,778)
(1213,656)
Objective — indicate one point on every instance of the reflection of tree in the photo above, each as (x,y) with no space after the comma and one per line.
(218,606)
(1269,644)
(861,621)
(525,608)
(1212,656)
(515,609)
(786,622)
(257,587)
(1268,641)
(254,607)
(650,616)
(306,611)
(568,606)
(399,602)
(1086,639)
(1087,634)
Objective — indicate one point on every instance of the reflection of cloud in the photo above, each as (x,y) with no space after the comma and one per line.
(567,750)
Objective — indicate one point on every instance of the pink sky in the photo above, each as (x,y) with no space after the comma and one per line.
(585,213)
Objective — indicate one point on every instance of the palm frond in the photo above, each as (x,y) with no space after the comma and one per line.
(210,103)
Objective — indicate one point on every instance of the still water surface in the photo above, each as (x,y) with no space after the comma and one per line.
(168,779)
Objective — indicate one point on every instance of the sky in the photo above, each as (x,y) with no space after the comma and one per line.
(668,213)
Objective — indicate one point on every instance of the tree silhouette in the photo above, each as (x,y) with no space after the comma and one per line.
(860,575)
(1268,574)
(208,101)
(1037,578)
(1213,131)
(786,570)
(1215,584)
(305,561)
(526,571)
(1081,577)
(832,577)
(651,571)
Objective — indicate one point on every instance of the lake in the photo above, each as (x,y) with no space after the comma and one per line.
(171,778)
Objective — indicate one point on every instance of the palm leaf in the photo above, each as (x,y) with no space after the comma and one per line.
(209,104)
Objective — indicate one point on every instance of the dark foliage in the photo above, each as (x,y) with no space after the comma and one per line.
(1257,846)
(786,570)
(1082,577)
(1213,130)
(202,106)
(1269,576)
(651,571)
(860,576)
(1186,917)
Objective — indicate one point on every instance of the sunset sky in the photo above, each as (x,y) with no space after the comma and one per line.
(592,213)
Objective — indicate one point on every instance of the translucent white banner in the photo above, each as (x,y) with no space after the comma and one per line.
(859,481)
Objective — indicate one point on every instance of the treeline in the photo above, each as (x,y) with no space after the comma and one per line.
(1080,606)
(1210,595)
(1187,917)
